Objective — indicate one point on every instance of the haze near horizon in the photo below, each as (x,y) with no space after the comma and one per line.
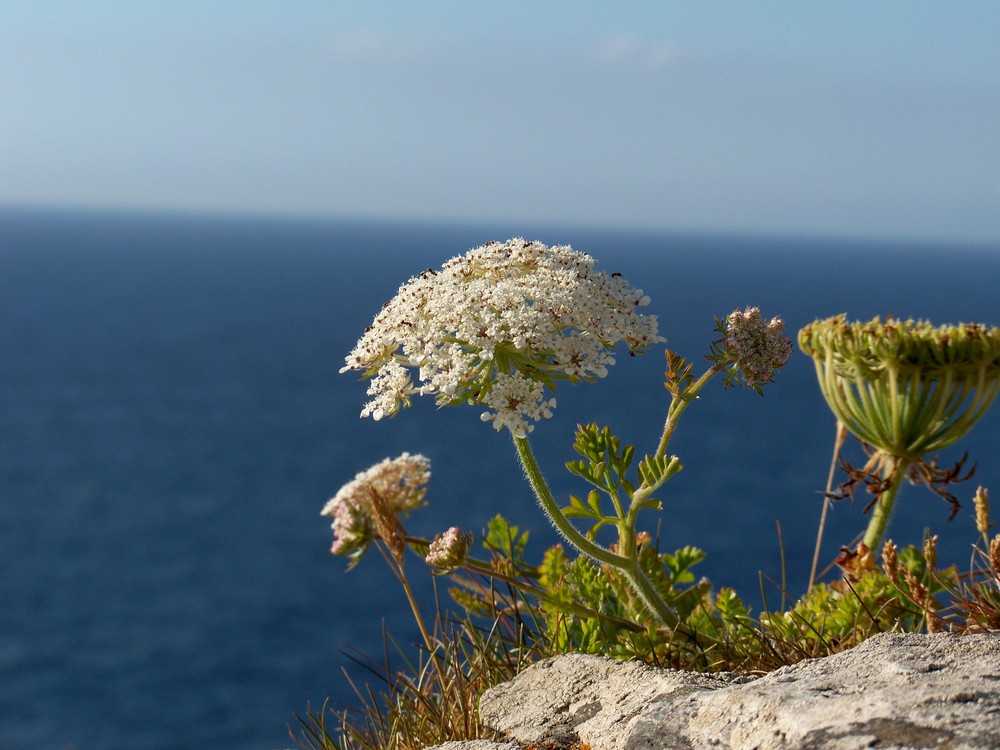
(872,119)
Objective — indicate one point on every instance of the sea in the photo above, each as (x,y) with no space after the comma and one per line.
(173,419)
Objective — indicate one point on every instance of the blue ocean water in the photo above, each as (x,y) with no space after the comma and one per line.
(172,420)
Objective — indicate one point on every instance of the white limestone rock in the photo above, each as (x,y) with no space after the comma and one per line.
(893,691)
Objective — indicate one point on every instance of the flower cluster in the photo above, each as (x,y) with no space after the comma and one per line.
(395,485)
(497,327)
(449,551)
(757,347)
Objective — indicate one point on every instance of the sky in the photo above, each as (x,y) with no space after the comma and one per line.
(863,119)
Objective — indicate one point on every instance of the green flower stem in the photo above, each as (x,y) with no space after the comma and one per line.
(650,597)
(895,467)
(680,403)
(636,576)
(640,582)
(551,508)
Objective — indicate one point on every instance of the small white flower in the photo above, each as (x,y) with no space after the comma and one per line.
(497,326)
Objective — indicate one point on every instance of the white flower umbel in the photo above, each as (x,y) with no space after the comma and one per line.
(497,327)
(399,483)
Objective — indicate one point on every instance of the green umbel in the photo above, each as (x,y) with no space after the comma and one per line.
(906,388)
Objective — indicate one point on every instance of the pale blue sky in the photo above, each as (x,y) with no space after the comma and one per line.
(878,119)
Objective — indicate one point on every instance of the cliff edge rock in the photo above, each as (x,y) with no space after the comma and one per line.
(894,691)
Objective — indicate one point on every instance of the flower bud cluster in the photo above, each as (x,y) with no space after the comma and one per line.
(450,550)
(757,346)
(497,327)
(397,484)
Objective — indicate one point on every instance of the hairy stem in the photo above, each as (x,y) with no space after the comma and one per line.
(551,508)
(650,597)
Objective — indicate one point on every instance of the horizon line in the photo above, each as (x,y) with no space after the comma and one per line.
(273,215)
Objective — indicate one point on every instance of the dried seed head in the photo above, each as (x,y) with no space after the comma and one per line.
(995,556)
(917,590)
(756,346)
(930,552)
(890,560)
(982,503)
(393,487)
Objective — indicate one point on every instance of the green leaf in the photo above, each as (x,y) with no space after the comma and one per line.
(581,469)
(607,460)
(651,503)
(730,606)
(553,568)
(591,441)
(681,561)
(594,501)
(654,471)
(506,539)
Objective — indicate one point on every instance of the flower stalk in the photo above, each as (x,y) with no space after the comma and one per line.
(548,503)
(894,469)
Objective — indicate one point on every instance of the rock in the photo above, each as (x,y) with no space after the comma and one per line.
(892,691)
(569,699)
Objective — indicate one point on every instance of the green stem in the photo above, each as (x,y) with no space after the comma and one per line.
(551,508)
(895,468)
(679,403)
(650,597)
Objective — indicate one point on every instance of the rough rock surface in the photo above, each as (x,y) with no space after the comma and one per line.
(893,691)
